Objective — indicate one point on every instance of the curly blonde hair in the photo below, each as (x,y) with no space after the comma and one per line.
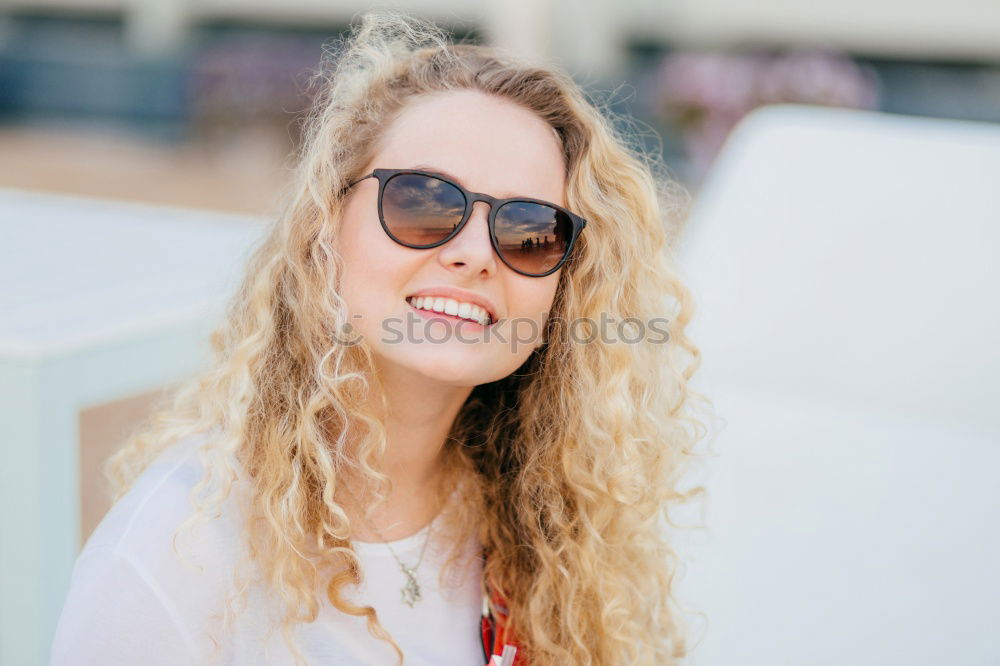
(574,460)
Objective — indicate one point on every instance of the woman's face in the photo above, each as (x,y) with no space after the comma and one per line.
(488,145)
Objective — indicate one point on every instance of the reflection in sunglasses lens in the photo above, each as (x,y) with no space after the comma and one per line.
(533,237)
(421,210)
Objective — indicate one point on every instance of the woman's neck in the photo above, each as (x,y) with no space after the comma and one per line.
(418,420)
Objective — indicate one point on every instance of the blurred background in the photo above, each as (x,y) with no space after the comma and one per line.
(144,145)
(192,102)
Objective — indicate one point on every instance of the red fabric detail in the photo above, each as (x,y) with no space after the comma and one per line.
(486,630)
(503,635)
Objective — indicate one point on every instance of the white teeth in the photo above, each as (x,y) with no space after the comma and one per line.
(452,307)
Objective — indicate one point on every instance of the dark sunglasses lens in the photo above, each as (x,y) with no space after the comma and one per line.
(421,210)
(533,237)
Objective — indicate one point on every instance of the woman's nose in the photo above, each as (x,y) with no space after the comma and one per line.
(472,248)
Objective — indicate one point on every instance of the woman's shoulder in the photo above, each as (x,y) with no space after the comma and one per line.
(144,520)
(130,581)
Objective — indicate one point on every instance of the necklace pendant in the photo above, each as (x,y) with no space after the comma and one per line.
(411,591)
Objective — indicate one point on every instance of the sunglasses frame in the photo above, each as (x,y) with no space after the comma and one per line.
(385,175)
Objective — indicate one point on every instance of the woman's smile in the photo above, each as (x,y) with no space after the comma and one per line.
(448,309)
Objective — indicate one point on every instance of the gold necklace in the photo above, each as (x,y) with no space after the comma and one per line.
(410,593)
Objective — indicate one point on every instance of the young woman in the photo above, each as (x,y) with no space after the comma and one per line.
(449,407)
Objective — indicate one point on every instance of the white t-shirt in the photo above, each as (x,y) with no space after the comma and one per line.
(132,601)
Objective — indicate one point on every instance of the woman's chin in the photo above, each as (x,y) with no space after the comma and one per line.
(455,367)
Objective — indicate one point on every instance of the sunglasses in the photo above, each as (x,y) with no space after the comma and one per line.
(422,209)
